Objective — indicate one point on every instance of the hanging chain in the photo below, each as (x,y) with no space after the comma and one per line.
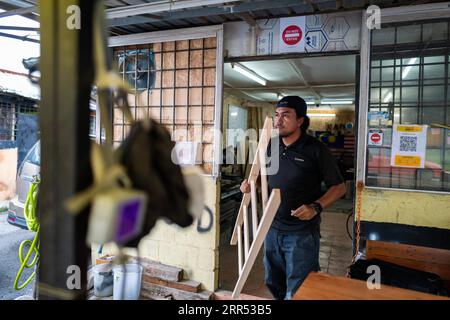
(359,189)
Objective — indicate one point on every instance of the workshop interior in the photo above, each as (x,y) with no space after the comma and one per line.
(129,128)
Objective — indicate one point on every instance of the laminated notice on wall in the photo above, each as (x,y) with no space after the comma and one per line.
(409,146)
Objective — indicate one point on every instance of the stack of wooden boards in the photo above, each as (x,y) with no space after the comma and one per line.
(164,282)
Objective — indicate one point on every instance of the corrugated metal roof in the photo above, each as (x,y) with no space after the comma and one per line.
(18,84)
(164,15)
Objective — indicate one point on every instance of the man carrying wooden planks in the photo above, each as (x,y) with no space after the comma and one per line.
(291,247)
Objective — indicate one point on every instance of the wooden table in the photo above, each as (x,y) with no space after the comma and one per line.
(322,286)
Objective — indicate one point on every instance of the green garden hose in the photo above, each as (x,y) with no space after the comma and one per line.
(33,225)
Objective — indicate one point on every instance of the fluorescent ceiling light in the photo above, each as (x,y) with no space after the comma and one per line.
(321,115)
(408,68)
(249,73)
(340,102)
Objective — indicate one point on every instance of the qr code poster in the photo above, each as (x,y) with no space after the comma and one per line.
(408,146)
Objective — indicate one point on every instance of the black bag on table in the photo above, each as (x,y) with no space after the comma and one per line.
(401,277)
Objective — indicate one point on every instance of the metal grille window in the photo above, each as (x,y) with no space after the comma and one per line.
(174,83)
(410,85)
(10,109)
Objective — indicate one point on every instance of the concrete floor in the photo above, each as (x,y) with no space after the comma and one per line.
(335,253)
(10,239)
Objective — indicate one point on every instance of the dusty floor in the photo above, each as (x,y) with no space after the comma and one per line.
(335,253)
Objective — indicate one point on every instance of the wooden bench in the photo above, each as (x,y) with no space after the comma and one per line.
(322,286)
(415,257)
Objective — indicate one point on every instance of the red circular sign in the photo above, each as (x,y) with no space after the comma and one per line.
(375,137)
(292,35)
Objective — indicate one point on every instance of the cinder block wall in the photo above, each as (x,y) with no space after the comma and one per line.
(196,253)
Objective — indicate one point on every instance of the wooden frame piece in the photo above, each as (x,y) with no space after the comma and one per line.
(270,206)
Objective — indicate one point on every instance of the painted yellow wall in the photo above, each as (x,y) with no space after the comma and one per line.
(196,253)
(410,208)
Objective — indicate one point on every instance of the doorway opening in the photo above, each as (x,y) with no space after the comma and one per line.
(251,90)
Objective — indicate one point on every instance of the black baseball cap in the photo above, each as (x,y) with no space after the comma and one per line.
(294,102)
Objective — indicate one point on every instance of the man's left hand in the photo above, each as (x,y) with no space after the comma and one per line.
(305,212)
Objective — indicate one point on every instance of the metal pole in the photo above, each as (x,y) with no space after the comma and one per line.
(66,67)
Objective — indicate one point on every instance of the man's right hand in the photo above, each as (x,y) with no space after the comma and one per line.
(245,186)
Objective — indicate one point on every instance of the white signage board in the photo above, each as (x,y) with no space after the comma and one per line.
(408,146)
(292,34)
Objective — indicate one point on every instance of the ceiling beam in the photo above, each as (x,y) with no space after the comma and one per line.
(203,12)
(302,78)
(313,5)
(18,12)
(159,7)
(15,28)
(230,87)
(23,38)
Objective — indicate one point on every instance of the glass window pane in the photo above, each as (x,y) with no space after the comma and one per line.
(383,36)
(434,71)
(387,74)
(435,31)
(375,95)
(410,94)
(433,94)
(408,34)
(434,59)
(375,75)
(410,72)
(412,86)
(388,62)
(409,115)
(432,115)
(130,60)
(376,63)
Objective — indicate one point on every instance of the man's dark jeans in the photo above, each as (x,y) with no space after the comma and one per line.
(288,259)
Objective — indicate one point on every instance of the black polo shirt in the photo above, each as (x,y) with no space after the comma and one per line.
(303,166)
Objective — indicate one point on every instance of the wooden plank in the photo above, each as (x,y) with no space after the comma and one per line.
(169,60)
(226,295)
(181,78)
(328,287)
(246,232)
(240,255)
(182,60)
(415,257)
(264,186)
(158,270)
(169,46)
(195,59)
(210,42)
(254,172)
(209,77)
(150,289)
(267,218)
(210,58)
(168,97)
(181,97)
(182,45)
(195,97)
(185,285)
(209,96)
(208,115)
(168,79)
(239,218)
(254,207)
(196,43)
